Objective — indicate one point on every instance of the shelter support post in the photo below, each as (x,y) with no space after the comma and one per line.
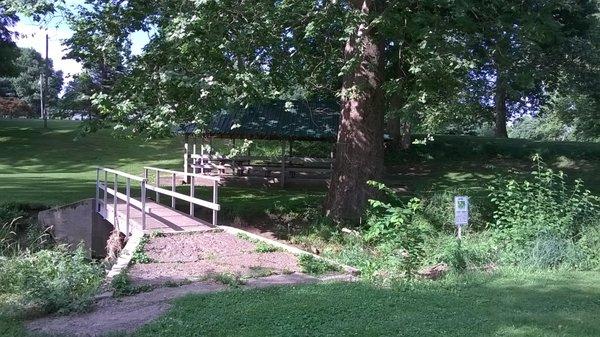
(283,163)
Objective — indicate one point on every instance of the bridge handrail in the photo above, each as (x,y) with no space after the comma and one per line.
(184,174)
(127,198)
(145,185)
(122,174)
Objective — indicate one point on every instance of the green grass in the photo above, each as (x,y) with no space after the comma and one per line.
(512,304)
(50,167)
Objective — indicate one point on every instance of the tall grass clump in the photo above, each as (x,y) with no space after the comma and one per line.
(540,221)
(18,232)
(47,281)
(36,275)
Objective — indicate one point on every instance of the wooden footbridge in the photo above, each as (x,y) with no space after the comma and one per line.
(132,204)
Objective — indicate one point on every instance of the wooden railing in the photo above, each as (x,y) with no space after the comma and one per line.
(102,204)
(145,184)
(192,178)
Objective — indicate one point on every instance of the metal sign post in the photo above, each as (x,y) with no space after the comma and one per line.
(461,213)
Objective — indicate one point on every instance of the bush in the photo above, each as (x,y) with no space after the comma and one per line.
(19,232)
(122,286)
(588,247)
(550,251)
(48,281)
(438,209)
(539,214)
(398,228)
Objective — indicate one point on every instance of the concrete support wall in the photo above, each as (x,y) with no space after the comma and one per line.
(78,223)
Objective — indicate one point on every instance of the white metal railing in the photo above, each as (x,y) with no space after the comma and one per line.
(102,204)
(192,178)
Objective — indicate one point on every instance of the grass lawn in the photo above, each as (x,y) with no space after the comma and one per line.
(50,167)
(508,304)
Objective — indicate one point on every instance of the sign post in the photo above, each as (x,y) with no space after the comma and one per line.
(461,213)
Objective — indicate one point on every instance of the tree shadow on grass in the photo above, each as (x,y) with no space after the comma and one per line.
(534,308)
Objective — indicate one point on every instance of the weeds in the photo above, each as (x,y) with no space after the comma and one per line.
(139,255)
(263,247)
(48,281)
(122,286)
(315,266)
(228,279)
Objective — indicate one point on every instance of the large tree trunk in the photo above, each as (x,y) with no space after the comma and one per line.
(500,112)
(359,149)
(393,129)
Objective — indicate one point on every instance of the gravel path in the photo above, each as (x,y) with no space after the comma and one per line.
(199,256)
(181,257)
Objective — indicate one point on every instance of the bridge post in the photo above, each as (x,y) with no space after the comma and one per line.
(173,178)
(128,193)
(115,217)
(157,185)
(97,201)
(215,198)
(143,188)
(105,194)
(186,155)
(192,187)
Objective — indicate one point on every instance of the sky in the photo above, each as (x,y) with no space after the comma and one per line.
(32,35)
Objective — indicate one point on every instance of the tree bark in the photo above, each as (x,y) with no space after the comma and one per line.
(359,148)
(393,129)
(406,140)
(500,111)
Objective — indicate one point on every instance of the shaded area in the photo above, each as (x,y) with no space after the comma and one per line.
(524,304)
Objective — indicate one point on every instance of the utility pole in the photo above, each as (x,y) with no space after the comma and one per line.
(45,91)
(42,95)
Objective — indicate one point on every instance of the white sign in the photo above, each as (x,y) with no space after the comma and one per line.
(461,210)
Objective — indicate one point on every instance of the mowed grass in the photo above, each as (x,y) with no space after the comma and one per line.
(52,167)
(515,303)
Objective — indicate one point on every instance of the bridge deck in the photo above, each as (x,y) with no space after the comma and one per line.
(159,218)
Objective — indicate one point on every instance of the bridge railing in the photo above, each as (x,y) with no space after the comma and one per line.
(102,184)
(192,178)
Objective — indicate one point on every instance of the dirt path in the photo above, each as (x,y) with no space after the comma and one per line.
(197,256)
(127,314)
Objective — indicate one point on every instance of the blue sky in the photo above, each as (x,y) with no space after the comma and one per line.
(32,35)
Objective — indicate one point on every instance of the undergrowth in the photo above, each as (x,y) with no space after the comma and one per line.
(544,221)
(123,286)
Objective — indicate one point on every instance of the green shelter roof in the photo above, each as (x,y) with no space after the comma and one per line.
(286,120)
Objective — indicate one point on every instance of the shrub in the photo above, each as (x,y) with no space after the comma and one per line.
(588,247)
(315,266)
(550,251)
(539,212)
(49,281)
(397,227)
(18,232)
(263,247)
(438,209)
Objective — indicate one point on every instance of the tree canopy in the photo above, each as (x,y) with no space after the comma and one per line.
(424,62)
